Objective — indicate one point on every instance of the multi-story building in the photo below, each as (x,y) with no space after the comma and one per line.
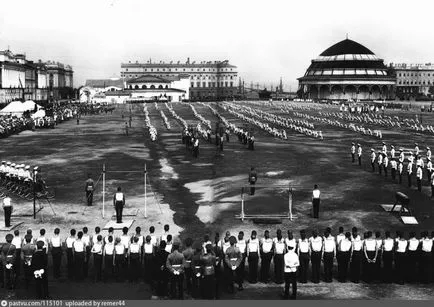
(22,79)
(413,80)
(211,80)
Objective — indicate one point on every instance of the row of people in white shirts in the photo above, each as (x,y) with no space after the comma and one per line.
(401,155)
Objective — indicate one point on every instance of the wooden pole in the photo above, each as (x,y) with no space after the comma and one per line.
(242,204)
(146,201)
(103,190)
(290,203)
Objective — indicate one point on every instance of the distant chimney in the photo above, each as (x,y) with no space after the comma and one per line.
(188,60)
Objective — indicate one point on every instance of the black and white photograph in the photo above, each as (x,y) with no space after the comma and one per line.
(215,150)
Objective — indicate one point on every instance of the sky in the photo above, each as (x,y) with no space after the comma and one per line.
(266,40)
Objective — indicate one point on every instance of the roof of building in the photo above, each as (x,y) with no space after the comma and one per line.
(347,46)
(159,90)
(102,83)
(117,93)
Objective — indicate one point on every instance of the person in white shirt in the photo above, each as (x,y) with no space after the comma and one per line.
(165,234)
(373,158)
(266,249)
(69,242)
(379,243)
(356,256)
(290,241)
(56,252)
(400,171)
(400,257)
(88,244)
(316,246)
(148,260)
(353,152)
(328,254)
(125,239)
(419,175)
(292,262)
(279,253)
(343,256)
(154,240)
(79,249)
(109,261)
(303,251)
(315,201)
(380,162)
(409,172)
(120,257)
(253,257)
(134,256)
(242,246)
(412,257)
(359,154)
(97,251)
(370,254)
(119,203)
(387,253)
(393,168)
(429,168)
(426,247)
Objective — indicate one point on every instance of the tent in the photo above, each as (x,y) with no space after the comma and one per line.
(38,114)
(29,105)
(14,108)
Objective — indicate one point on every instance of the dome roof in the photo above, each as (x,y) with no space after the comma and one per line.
(347,46)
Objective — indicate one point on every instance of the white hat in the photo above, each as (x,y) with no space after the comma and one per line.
(9,163)
(27,167)
(13,164)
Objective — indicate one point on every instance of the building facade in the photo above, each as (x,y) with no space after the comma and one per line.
(22,79)
(347,71)
(413,81)
(211,80)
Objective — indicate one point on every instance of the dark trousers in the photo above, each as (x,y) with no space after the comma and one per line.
(97,263)
(328,266)
(409,180)
(315,203)
(400,178)
(385,170)
(70,260)
(253,260)
(86,261)
(229,278)
(380,168)
(108,267)
(343,259)
(119,267)
(42,287)
(412,264)
(419,185)
(393,172)
(9,277)
(78,264)
(426,264)
(188,278)
(149,269)
(387,266)
(355,266)
(304,265)
(432,190)
(252,188)
(196,285)
(134,267)
(316,265)
(177,286)
(56,253)
(8,213)
(360,160)
(208,287)
(119,207)
(89,197)
(278,268)
(17,263)
(291,278)
(265,267)
(28,275)
(400,267)
(353,158)
(373,166)
(369,267)
(239,272)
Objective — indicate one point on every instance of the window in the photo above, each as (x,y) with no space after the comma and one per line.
(146,69)
(203,84)
(152,69)
(130,87)
(226,84)
(166,86)
(126,69)
(158,69)
(192,84)
(232,84)
(160,86)
(136,87)
(152,86)
(198,84)
(163,69)
(144,87)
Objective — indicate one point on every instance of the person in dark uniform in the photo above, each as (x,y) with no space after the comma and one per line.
(89,188)
(8,262)
(196,271)
(119,203)
(316,201)
(208,260)
(162,275)
(39,268)
(387,255)
(27,252)
(7,208)
(253,257)
(353,152)
(188,253)
(253,177)
(175,265)
(233,259)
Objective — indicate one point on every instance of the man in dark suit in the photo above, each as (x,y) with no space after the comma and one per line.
(39,267)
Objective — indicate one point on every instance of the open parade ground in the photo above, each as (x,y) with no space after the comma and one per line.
(198,196)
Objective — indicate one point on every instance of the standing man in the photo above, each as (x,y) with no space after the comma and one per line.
(291,264)
(392,152)
(359,154)
(393,168)
(432,185)
(328,254)
(39,268)
(315,201)
(373,157)
(89,190)
(429,168)
(409,172)
(353,152)
(233,258)
(119,203)
(400,171)
(303,254)
(253,257)
(7,208)
(253,177)
(316,251)
(175,264)
(8,262)
(266,249)
(27,254)
(279,255)
(385,164)
(419,175)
